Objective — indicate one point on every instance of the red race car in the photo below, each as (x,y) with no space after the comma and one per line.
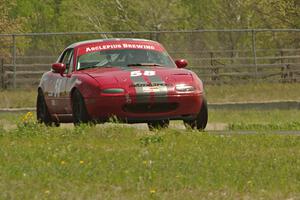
(133,80)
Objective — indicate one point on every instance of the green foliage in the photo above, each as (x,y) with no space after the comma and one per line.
(20,16)
(151,140)
(116,15)
(9,23)
(121,15)
(41,15)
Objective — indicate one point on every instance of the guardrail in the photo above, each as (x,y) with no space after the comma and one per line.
(2,75)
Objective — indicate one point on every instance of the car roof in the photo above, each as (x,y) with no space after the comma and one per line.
(82,43)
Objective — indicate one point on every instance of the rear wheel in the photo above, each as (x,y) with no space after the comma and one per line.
(42,113)
(160,124)
(201,120)
(80,114)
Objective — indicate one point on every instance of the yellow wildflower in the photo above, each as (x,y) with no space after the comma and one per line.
(28,117)
(152,191)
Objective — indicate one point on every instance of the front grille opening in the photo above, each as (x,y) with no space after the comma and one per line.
(150,108)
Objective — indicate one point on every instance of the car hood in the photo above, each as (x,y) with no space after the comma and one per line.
(124,77)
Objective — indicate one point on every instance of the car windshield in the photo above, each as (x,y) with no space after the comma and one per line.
(124,58)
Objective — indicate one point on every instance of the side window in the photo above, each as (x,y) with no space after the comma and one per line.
(70,67)
(67,59)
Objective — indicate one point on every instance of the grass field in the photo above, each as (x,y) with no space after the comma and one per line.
(120,162)
(215,94)
(115,161)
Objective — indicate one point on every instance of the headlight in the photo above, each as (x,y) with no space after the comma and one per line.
(113,91)
(184,88)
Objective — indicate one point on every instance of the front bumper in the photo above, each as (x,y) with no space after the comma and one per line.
(179,106)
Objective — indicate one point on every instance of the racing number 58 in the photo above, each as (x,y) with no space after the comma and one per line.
(145,73)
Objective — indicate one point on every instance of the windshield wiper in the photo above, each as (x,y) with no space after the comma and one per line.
(144,64)
(89,67)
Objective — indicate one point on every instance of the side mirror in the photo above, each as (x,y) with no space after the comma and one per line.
(58,68)
(181,63)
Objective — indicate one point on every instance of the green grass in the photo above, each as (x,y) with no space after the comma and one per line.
(117,162)
(120,162)
(236,119)
(10,117)
(214,93)
(252,92)
(257,119)
(254,116)
(18,98)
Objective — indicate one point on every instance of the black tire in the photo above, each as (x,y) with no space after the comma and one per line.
(42,113)
(156,125)
(80,114)
(201,120)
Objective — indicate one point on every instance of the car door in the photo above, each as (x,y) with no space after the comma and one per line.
(68,84)
(59,97)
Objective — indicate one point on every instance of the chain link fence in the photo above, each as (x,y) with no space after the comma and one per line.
(217,56)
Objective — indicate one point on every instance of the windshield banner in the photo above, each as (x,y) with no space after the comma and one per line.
(123,45)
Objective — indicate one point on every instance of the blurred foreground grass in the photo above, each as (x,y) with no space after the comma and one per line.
(120,162)
(215,94)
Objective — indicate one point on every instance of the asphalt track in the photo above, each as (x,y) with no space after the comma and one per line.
(212,128)
(264,105)
(216,128)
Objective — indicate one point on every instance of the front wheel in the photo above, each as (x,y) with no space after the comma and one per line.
(155,125)
(42,113)
(80,114)
(201,120)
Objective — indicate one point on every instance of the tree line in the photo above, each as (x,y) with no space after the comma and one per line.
(36,16)
(19,16)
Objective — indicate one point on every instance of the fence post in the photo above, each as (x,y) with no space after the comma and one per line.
(215,70)
(211,58)
(2,73)
(254,51)
(150,36)
(281,55)
(283,68)
(14,53)
(157,36)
